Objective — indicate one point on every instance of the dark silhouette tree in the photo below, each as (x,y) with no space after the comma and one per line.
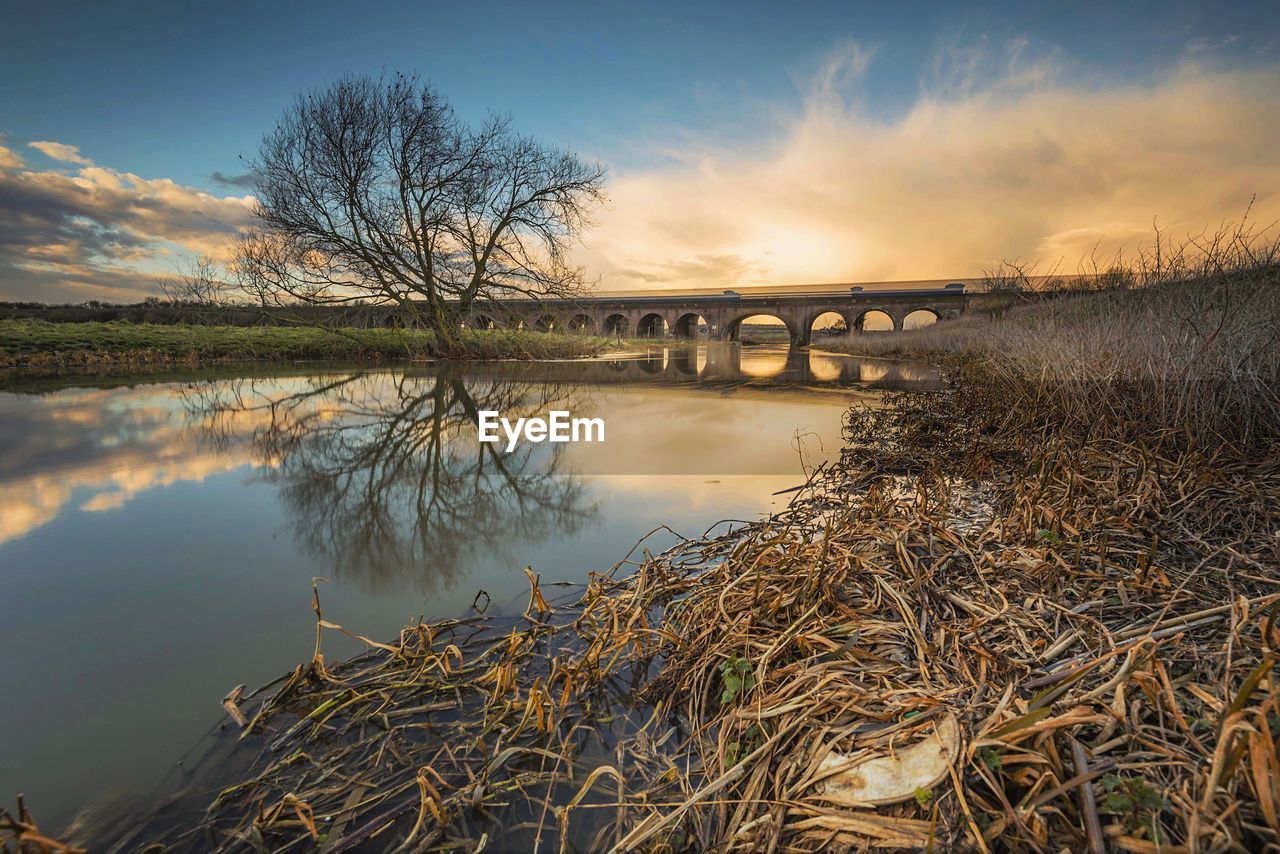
(373,191)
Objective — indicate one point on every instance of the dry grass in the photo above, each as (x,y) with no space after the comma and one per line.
(945,338)
(1199,357)
(1189,345)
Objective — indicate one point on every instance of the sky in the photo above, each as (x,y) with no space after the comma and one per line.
(747,144)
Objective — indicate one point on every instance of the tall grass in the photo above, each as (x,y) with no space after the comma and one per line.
(1185,341)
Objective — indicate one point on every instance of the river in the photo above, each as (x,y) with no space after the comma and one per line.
(159,532)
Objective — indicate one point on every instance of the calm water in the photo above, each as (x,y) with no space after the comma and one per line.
(159,533)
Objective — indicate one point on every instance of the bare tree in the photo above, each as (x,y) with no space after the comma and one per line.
(1012,277)
(197,290)
(373,191)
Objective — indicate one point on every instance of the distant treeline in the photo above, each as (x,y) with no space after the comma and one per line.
(154,310)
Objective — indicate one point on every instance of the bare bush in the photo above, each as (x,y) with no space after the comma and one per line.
(197,290)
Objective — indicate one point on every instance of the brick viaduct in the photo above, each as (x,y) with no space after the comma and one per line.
(720,315)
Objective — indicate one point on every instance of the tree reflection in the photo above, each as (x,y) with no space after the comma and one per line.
(383,476)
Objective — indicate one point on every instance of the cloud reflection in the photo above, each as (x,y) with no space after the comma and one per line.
(94,450)
(381,475)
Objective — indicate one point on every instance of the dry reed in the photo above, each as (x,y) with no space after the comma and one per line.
(1185,339)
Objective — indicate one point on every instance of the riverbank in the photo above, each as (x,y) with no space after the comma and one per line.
(972,632)
(34,343)
(1035,611)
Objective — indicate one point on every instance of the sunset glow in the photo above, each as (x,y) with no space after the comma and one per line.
(820,426)
(857,156)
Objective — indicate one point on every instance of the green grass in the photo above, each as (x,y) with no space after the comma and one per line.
(39,343)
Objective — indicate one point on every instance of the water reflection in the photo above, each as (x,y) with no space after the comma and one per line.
(718,362)
(159,530)
(92,450)
(95,449)
(382,477)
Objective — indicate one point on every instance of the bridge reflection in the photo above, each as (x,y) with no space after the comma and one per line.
(716,362)
(724,363)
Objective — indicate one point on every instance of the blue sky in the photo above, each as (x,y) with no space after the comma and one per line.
(180,91)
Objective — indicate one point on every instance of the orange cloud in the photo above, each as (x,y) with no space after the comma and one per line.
(1020,166)
(60,151)
(9,159)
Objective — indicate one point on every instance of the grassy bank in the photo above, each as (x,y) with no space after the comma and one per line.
(32,343)
(1194,350)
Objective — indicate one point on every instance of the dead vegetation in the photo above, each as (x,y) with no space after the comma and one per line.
(1083,659)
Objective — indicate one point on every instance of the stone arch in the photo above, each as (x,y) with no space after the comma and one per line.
(483,321)
(923,317)
(617,325)
(582,324)
(733,328)
(547,323)
(821,322)
(652,325)
(877,317)
(687,325)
